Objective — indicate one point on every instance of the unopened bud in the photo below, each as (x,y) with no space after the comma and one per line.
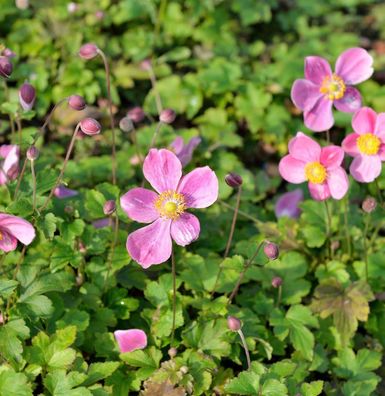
(8,53)
(5,67)
(125,124)
(77,102)
(72,7)
(99,15)
(88,51)
(136,114)
(184,370)
(109,207)
(172,352)
(167,116)
(27,96)
(233,323)
(233,180)
(90,126)
(271,250)
(32,153)
(276,282)
(146,65)
(369,205)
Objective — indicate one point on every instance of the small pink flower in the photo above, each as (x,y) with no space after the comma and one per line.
(62,192)
(9,163)
(13,228)
(287,204)
(185,151)
(130,340)
(366,145)
(166,209)
(321,88)
(320,167)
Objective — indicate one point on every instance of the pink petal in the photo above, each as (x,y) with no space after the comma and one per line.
(162,169)
(17,227)
(365,168)
(152,244)
(354,65)
(7,241)
(62,192)
(101,223)
(338,183)
(10,166)
(303,148)
(316,69)
(320,117)
(185,155)
(319,192)
(186,229)
(349,145)
(138,204)
(381,152)
(130,340)
(305,94)
(5,149)
(199,187)
(332,156)
(177,145)
(292,170)
(350,102)
(287,204)
(364,121)
(379,129)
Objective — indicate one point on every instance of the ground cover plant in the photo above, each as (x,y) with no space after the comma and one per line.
(192,198)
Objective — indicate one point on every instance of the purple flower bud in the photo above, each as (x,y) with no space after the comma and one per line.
(369,205)
(32,153)
(88,51)
(90,126)
(146,65)
(5,67)
(27,96)
(233,323)
(276,282)
(167,116)
(125,124)
(233,180)
(136,114)
(77,102)
(271,250)
(109,207)
(8,53)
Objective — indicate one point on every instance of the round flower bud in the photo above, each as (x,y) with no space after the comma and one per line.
(136,114)
(5,67)
(8,53)
(109,207)
(88,51)
(27,96)
(172,352)
(369,205)
(77,102)
(271,250)
(276,282)
(233,323)
(99,15)
(167,116)
(233,180)
(72,7)
(146,65)
(125,124)
(90,126)
(32,153)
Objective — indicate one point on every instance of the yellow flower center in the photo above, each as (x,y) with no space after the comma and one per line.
(368,144)
(315,172)
(333,87)
(170,204)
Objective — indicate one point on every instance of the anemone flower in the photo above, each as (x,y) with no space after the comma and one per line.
(321,88)
(62,192)
(287,204)
(9,162)
(12,229)
(166,208)
(185,151)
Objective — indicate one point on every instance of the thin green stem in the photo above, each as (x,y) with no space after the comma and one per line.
(33,185)
(346,224)
(279,298)
(112,251)
(20,178)
(243,340)
(328,227)
(365,245)
(158,100)
(379,193)
(173,270)
(155,135)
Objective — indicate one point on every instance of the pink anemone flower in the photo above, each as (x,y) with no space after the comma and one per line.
(321,88)
(130,340)
(13,228)
(366,145)
(166,208)
(9,162)
(320,167)
(63,192)
(185,151)
(287,204)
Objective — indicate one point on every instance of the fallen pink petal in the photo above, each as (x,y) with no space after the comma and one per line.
(130,340)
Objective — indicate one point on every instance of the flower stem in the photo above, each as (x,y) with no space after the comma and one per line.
(173,296)
(347,231)
(379,193)
(20,178)
(158,100)
(242,337)
(155,135)
(136,145)
(19,130)
(112,251)
(59,179)
(108,79)
(279,295)
(240,212)
(365,245)
(33,185)
(328,227)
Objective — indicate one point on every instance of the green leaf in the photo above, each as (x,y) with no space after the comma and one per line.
(14,384)
(7,287)
(247,383)
(148,358)
(99,371)
(312,389)
(273,387)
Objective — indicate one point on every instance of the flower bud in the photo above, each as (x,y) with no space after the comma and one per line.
(167,116)
(22,4)
(27,96)
(233,323)
(276,282)
(8,53)
(125,124)
(172,352)
(88,51)
(5,67)
(77,102)
(233,180)
(136,114)
(109,207)
(99,15)
(72,7)
(146,65)
(369,205)
(90,126)
(32,153)
(271,250)
(1,319)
